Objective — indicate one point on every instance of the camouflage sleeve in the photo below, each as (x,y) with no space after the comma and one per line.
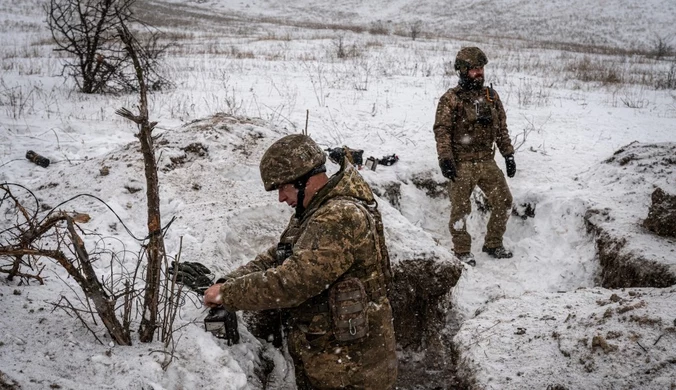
(443,127)
(322,254)
(502,138)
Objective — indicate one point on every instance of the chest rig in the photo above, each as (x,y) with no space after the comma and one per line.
(342,309)
(475,123)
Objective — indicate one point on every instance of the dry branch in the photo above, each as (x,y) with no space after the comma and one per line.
(155,250)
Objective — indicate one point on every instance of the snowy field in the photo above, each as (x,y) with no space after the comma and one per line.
(578,83)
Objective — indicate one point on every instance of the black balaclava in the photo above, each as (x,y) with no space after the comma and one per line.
(300,186)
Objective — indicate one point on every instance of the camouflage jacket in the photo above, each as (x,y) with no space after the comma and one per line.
(333,240)
(468,123)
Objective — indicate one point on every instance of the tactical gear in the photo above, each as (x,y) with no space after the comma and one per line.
(511,165)
(222,324)
(388,160)
(484,115)
(290,159)
(371,163)
(339,236)
(448,169)
(469,123)
(467,258)
(468,58)
(193,275)
(499,252)
(355,156)
(348,302)
(458,131)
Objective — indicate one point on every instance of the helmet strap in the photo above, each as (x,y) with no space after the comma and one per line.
(300,185)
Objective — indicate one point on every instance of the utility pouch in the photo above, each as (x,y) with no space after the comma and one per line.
(484,116)
(348,304)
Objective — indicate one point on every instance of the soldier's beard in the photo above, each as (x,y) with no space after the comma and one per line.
(469,83)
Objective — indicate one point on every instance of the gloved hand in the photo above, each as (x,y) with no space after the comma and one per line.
(192,275)
(511,165)
(448,169)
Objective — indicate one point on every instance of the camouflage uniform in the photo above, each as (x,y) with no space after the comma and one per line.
(337,237)
(468,122)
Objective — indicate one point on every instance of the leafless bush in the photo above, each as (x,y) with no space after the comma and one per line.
(96,263)
(520,138)
(634,100)
(16,100)
(379,28)
(88,30)
(661,46)
(590,70)
(315,71)
(343,50)
(415,29)
(668,79)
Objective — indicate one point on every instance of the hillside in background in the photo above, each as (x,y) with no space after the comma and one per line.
(591,107)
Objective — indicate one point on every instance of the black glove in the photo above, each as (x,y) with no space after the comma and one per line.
(448,169)
(192,275)
(511,165)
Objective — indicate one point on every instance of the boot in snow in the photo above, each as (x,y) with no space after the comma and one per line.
(498,252)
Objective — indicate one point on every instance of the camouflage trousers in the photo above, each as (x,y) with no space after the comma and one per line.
(325,364)
(490,179)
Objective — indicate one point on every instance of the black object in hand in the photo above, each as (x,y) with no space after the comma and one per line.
(448,169)
(222,324)
(37,159)
(192,275)
(511,165)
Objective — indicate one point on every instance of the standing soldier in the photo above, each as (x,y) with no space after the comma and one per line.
(329,274)
(469,120)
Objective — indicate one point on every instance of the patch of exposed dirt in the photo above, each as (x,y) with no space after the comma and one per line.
(420,301)
(622,268)
(391,192)
(662,214)
(434,189)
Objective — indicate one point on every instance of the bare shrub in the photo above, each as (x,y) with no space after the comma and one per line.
(668,79)
(88,31)
(661,46)
(594,70)
(634,99)
(378,28)
(415,29)
(343,50)
(16,100)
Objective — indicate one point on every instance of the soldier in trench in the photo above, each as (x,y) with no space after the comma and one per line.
(329,274)
(470,120)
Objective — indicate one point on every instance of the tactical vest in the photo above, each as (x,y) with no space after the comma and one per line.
(346,300)
(476,124)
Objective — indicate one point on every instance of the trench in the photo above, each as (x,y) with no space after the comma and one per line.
(426,322)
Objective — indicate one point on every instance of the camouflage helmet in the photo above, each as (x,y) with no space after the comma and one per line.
(468,58)
(289,159)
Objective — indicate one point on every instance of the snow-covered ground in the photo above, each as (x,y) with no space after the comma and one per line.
(241,59)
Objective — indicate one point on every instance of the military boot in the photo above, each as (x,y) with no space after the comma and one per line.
(499,252)
(467,258)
